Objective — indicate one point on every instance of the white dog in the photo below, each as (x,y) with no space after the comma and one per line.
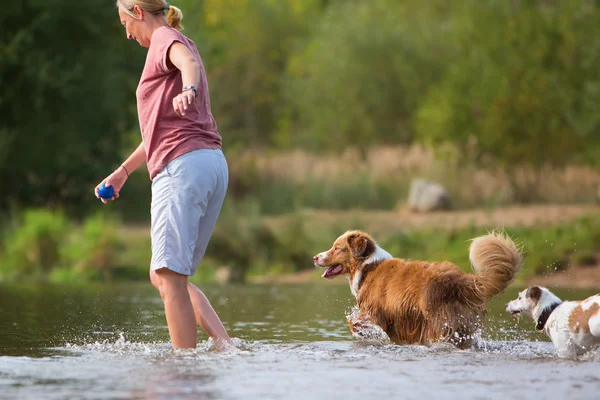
(573,326)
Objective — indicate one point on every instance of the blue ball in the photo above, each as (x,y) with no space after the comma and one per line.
(106,192)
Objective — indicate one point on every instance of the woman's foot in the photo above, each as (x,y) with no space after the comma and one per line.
(224,345)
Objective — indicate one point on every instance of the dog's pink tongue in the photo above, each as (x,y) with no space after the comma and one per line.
(332,271)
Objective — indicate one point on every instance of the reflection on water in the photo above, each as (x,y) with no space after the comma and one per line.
(111,341)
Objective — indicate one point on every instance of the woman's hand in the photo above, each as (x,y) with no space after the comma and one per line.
(183,100)
(116,180)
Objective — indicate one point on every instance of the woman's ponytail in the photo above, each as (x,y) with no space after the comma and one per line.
(174,17)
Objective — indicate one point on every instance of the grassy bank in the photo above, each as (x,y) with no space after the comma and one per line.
(246,244)
(378,179)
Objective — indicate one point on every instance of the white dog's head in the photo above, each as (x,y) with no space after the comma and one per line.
(532,302)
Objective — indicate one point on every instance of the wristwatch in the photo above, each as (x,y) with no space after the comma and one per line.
(191,87)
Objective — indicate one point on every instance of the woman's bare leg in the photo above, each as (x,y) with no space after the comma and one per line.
(207,318)
(178,307)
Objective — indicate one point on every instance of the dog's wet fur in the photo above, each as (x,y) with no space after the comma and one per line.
(418,301)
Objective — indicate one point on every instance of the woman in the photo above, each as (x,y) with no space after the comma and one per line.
(182,149)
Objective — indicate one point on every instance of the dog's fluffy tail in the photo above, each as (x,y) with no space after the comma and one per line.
(496,261)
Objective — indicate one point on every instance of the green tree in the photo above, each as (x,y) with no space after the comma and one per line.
(524,87)
(67,94)
(362,75)
(246,46)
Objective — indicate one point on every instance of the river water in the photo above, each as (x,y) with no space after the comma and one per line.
(111,342)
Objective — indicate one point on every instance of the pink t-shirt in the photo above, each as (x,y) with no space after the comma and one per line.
(165,134)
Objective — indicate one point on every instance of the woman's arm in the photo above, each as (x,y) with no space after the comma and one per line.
(135,160)
(118,178)
(183,60)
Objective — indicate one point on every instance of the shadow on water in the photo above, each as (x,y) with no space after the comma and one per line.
(111,341)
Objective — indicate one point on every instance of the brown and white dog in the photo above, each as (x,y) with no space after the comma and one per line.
(573,326)
(417,301)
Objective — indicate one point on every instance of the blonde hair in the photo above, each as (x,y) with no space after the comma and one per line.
(156,7)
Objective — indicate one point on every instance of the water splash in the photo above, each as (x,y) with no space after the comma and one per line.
(372,342)
(123,346)
(366,330)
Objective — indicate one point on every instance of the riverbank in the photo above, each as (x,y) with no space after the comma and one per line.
(404,220)
(249,246)
(561,243)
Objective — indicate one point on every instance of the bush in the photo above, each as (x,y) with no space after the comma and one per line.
(556,248)
(546,249)
(241,240)
(92,253)
(32,248)
(295,244)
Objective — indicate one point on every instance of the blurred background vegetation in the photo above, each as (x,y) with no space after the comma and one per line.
(322,105)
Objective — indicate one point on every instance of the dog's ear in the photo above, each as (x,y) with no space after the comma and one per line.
(361,246)
(534,292)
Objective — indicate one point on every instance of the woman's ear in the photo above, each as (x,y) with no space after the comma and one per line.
(138,12)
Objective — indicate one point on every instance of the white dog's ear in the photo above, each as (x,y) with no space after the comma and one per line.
(361,246)
(534,292)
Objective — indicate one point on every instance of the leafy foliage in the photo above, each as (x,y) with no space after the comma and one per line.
(249,46)
(31,248)
(241,240)
(524,86)
(67,91)
(93,252)
(364,71)
(503,83)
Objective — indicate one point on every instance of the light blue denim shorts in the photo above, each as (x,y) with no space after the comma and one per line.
(187,196)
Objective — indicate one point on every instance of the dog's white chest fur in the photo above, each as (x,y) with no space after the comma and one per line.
(378,256)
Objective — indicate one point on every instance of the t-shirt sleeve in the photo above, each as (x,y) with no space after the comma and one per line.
(164,39)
